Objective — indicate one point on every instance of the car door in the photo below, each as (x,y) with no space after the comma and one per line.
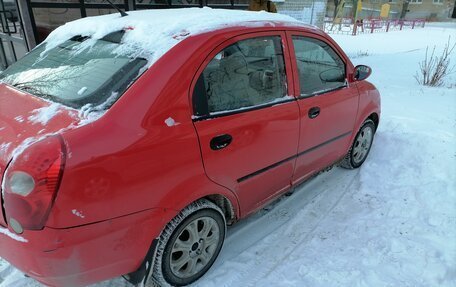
(247,123)
(327,101)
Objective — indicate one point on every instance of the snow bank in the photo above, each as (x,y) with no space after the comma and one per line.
(151,33)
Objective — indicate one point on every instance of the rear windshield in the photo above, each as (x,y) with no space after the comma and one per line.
(76,75)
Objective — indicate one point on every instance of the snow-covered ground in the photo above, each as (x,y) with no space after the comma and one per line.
(390,223)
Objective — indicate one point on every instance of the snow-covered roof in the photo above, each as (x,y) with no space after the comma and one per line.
(151,33)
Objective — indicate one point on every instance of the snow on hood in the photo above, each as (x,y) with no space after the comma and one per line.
(151,33)
(11,235)
(43,115)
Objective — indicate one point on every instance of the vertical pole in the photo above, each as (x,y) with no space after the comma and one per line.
(355,17)
(312,12)
(413,24)
(27,23)
(82,8)
(130,5)
(388,26)
(3,59)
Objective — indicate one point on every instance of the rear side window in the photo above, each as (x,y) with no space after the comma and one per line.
(246,74)
(75,76)
(320,68)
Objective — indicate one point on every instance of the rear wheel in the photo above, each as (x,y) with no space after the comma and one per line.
(361,146)
(190,244)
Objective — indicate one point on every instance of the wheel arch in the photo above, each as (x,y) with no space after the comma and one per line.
(225,205)
(375,118)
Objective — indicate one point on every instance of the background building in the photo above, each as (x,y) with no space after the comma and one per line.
(431,10)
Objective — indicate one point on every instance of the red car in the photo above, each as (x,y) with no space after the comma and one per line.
(116,159)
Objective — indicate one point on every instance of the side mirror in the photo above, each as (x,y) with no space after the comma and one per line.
(362,72)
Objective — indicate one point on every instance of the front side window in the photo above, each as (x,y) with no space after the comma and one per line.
(320,68)
(75,76)
(246,74)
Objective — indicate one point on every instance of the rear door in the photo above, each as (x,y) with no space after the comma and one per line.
(327,101)
(247,123)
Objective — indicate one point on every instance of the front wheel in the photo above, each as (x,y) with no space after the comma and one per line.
(361,146)
(189,244)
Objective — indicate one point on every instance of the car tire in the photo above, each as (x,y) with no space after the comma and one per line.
(189,244)
(361,146)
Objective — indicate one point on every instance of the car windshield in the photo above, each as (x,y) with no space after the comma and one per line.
(76,75)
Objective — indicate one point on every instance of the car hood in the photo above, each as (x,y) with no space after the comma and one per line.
(25,119)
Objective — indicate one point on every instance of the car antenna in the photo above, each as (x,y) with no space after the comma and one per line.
(122,13)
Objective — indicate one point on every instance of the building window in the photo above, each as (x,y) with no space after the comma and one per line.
(416,1)
(438,1)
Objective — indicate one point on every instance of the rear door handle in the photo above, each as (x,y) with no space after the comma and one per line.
(314,112)
(221,141)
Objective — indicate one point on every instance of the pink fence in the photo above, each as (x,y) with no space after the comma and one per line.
(371,25)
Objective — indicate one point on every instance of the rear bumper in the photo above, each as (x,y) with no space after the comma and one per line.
(82,255)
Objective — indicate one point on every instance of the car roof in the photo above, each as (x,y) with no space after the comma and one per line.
(151,33)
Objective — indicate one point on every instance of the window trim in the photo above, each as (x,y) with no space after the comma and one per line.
(290,36)
(345,85)
(288,72)
(242,110)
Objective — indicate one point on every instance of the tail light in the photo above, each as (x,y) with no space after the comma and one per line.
(31,183)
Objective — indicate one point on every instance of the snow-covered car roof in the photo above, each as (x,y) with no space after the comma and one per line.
(151,33)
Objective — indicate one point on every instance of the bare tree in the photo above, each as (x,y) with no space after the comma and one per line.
(433,69)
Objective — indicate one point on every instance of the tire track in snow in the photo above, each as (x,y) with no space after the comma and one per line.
(274,264)
(247,233)
(235,265)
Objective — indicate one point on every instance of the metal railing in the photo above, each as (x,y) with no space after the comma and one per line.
(370,25)
(11,37)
